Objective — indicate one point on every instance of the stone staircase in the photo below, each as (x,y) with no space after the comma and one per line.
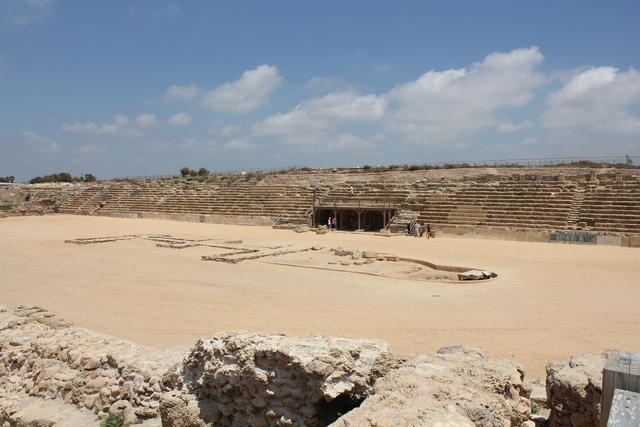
(574,211)
(401,219)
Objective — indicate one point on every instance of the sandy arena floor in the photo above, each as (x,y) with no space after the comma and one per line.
(549,302)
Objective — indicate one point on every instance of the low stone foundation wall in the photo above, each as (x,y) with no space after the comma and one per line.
(459,386)
(493,233)
(46,357)
(55,374)
(209,219)
(247,379)
(574,389)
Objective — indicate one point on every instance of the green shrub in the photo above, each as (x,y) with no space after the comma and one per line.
(113,420)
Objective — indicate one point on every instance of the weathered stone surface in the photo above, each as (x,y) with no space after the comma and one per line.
(26,411)
(476,275)
(459,386)
(44,356)
(574,388)
(181,410)
(247,379)
(342,252)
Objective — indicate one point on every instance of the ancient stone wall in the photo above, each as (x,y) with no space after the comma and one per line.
(46,357)
(36,199)
(574,389)
(55,374)
(459,386)
(247,379)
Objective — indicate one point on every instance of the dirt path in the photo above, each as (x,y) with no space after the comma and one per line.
(549,302)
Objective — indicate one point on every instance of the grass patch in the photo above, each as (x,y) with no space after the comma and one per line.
(113,420)
(7,207)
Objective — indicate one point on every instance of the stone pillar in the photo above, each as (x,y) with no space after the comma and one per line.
(621,371)
(359,222)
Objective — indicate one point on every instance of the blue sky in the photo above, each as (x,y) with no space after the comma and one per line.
(142,87)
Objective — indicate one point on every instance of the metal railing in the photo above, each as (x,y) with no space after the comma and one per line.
(356,202)
(540,161)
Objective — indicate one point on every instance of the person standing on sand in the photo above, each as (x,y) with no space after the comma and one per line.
(329,223)
(417,230)
(428,231)
(334,222)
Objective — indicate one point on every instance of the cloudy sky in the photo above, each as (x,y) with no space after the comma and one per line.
(144,87)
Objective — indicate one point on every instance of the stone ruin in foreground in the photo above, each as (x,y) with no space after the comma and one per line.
(55,374)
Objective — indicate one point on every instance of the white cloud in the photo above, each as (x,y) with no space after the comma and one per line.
(247,93)
(41,144)
(79,127)
(599,99)
(180,119)
(441,104)
(118,127)
(92,149)
(181,93)
(326,84)
(347,106)
(241,144)
(297,121)
(324,142)
(120,120)
(324,113)
(219,128)
(20,12)
(146,120)
(508,127)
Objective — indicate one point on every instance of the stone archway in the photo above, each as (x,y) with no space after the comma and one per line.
(347,220)
(322,215)
(372,220)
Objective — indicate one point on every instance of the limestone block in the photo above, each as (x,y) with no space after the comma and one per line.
(574,389)
(459,386)
(260,380)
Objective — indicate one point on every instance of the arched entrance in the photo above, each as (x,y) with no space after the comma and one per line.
(347,220)
(372,220)
(322,216)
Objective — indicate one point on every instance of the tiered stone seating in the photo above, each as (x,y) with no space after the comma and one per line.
(287,202)
(84,201)
(365,193)
(291,203)
(516,204)
(613,206)
(597,203)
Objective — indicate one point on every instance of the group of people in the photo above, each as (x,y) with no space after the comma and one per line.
(414,228)
(332,223)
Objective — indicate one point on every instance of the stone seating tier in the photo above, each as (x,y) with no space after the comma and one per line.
(603,203)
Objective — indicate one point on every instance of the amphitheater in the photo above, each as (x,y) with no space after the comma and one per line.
(226,301)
